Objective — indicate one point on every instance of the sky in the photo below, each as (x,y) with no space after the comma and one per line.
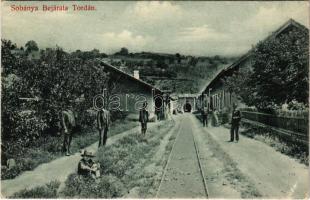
(200,28)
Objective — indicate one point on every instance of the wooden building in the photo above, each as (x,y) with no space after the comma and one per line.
(130,92)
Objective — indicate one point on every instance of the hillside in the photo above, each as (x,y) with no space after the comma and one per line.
(175,72)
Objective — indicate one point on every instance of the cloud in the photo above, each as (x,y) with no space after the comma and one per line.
(124,38)
(197,28)
(269,17)
(47,28)
(200,33)
(155,10)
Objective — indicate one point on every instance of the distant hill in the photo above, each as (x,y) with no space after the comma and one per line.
(179,73)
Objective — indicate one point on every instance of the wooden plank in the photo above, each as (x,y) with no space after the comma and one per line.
(290,134)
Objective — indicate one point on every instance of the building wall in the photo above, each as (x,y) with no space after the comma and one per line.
(129,95)
(222,99)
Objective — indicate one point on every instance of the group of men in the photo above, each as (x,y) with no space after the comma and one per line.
(205,112)
(235,121)
(86,165)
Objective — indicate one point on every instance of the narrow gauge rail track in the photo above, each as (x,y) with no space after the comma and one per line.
(200,168)
(206,190)
(167,163)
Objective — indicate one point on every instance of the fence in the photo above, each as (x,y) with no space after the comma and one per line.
(295,127)
(295,124)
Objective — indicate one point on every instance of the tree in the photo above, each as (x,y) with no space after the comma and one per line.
(161,64)
(193,61)
(31,46)
(124,51)
(279,72)
(8,61)
(178,57)
(240,84)
(280,68)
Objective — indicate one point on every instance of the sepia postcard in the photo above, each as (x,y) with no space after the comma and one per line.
(155,99)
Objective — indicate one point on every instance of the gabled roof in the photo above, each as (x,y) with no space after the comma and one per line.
(216,74)
(287,24)
(114,69)
(233,66)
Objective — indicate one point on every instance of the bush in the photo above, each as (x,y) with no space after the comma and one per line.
(47,191)
(86,187)
(26,126)
(294,105)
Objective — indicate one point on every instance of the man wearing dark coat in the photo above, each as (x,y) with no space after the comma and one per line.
(235,121)
(143,118)
(103,124)
(68,123)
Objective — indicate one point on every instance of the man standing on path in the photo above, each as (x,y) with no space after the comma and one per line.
(235,120)
(68,125)
(215,121)
(143,118)
(204,114)
(103,124)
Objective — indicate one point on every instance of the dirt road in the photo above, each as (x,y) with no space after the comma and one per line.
(273,174)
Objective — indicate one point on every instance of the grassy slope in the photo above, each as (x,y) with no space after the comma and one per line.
(128,168)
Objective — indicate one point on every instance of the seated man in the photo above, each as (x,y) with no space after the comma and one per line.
(87,167)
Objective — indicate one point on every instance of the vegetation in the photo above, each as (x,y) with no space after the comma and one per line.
(179,73)
(44,149)
(279,73)
(123,168)
(31,46)
(35,91)
(47,191)
(266,135)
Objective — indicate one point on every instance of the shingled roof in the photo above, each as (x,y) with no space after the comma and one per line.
(114,69)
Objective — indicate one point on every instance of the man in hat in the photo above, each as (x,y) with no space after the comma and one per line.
(87,167)
(68,125)
(143,118)
(103,124)
(235,120)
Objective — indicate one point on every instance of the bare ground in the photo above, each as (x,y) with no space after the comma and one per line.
(258,168)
